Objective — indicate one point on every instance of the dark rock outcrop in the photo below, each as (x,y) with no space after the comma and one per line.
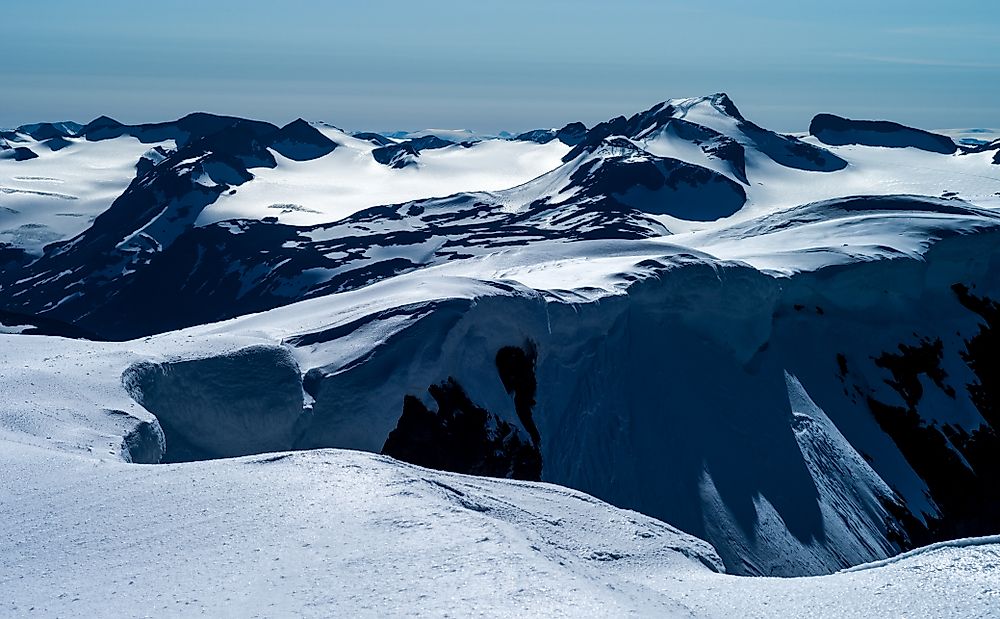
(183,131)
(20,153)
(538,136)
(405,153)
(47,131)
(44,325)
(516,367)
(571,135)
(839,131)
(374,138)
(461,437)
(300,141)
(961,468)
(630,179)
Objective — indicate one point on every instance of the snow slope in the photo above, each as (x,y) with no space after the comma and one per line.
(349,180)
(57,195)
(775,506)
(329,531)
(346,533)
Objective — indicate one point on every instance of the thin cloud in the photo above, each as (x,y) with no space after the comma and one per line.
(921,62)
(967,32)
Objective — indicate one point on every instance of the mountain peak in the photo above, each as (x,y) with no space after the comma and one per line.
(723,102)
(300,141)
(299,124)
(45,131)
(101,122)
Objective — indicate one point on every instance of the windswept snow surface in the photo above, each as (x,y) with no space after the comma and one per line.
(333,532)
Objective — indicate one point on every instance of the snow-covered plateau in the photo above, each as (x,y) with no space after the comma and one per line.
(674,364)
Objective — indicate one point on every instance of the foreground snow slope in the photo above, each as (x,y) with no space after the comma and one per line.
(341,532)
(350,534)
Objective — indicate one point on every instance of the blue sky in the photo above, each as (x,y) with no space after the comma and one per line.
(492,65)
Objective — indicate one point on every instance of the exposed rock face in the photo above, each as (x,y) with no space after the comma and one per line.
(961,467)
(465,437)
(461,437)
(516,367)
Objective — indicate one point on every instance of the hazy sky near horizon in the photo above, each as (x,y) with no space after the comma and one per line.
(492,65)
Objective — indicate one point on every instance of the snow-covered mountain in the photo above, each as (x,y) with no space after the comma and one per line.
(783,345)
